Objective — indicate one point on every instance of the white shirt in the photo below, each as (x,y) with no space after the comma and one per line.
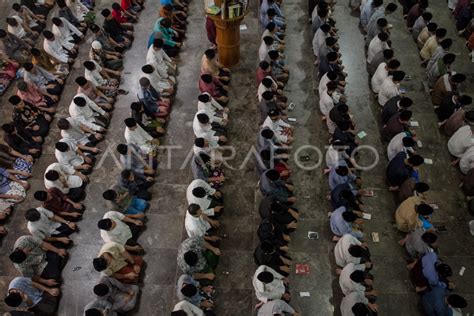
(323,83)
(326,103)
(204,130)
(55,49)
(69,158)
(345,282)
(87,112)
(350,300)
(375,46)
(64,33)
(269,291)
(203,202)
(460,141)
(18,30)
(140,138)
(188,308)
(388,90)
(74,134)
(379,77)
(263,52)
(94,76)
(319,39)
(210,108)
(157,81)
(78,9)
(159,60)
(195,226)
(278,128)
(120,233)
(341,251)
(335,158)
(72,180)
(467,160)
(396,145)
(45,226)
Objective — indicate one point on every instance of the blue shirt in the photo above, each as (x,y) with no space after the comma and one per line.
(25,285)
(434,304)
(366,13)
(426,222)
(4,181)
(339,226)
(428,263)
(335,179)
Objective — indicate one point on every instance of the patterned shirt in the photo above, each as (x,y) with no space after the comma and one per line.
(196,245)
(36,259)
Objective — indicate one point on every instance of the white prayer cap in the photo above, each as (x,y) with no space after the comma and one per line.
(96,45)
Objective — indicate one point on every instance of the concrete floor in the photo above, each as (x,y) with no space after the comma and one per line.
(165,218)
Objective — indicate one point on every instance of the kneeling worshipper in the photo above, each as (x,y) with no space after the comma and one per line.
(267,254)
(54,48)
(209,199)
(419,242)
(198,258)
(440,301)
(38,259)
(67,180)
(190,290)
(199,224)
(73,131)
(272,185)
(87,88)
(209,64)
(120,229)
(207,83)
(60,204)
(157,57)
(131,159)
(276,307)
(48,83)
(119,200)
(154,105)
(344,221)
(270,285)
(354,280)
(114,261)
(136,135)
(72,157)
(351,250)
(123,297)
(12,191)
(43,224)
(357,304)
(88,112)
(402,167)
(136,184)
(205,127)
(26,294)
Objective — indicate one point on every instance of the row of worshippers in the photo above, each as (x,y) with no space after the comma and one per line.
(450,106)
(120,258)
(346,222)
(413,216)
(462,11)
(34,103)
(44,71)
(199,254)
(277,212)
(40,257)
